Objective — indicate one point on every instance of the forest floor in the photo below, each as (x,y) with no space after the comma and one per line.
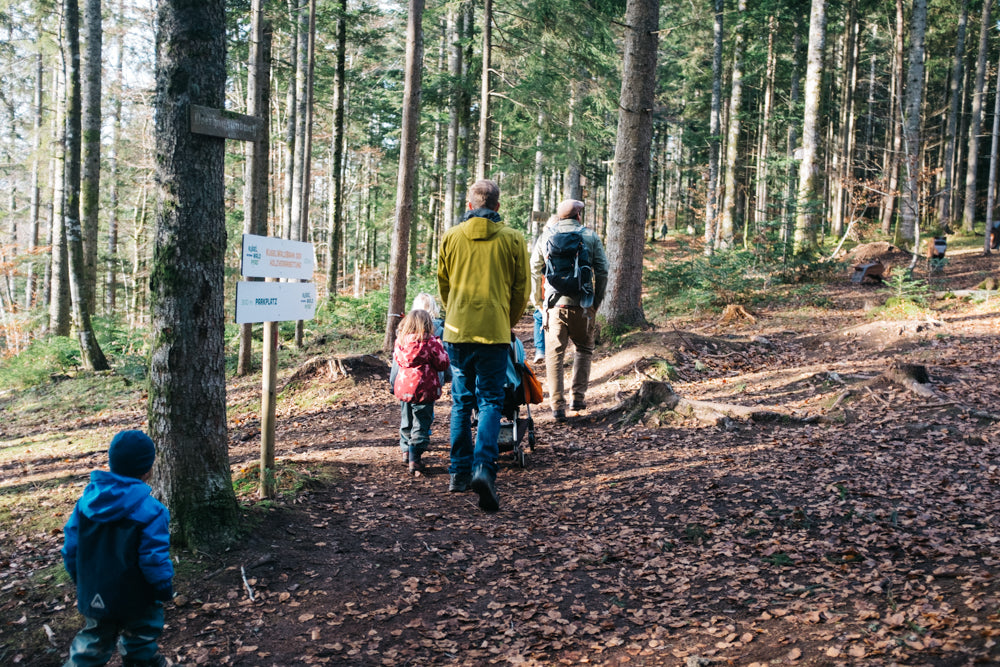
(851,520)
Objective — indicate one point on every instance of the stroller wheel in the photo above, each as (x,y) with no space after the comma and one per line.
(531,440)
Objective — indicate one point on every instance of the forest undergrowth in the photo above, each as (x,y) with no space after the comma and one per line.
(826,505)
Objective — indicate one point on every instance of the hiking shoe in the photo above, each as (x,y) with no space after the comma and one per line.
(416,466)
(539,358)
(406,457)
(483,484)
(577,406)
(559,415)
(459,482)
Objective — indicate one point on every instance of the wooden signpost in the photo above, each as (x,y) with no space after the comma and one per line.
(272,302)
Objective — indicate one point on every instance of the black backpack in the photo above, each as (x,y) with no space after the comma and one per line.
(567,266)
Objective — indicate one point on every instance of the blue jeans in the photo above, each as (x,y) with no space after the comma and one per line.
(539,333)
(478,374)
(415,421)
(136,637)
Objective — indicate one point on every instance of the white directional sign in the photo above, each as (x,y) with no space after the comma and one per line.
(269,257)
(274,302)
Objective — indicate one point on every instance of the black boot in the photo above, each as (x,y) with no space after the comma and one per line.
(459,482)
(484,484)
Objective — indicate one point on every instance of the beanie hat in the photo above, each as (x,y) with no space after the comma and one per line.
(569,208)
(131,454)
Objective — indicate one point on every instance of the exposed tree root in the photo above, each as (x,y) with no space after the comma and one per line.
(653,394)
(334,368)
(736,313)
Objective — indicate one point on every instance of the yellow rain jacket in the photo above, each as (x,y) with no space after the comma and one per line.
(483,279)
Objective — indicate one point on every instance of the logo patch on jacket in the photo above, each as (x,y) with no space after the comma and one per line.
(97,602)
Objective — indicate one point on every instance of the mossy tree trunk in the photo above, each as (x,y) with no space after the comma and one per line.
(187,393)
(91,355)
(626,232)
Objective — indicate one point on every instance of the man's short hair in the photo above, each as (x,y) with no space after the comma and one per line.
(484,193)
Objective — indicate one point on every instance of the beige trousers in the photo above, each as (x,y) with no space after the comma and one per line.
(564,324)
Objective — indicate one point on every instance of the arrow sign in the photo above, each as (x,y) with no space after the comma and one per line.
(274,302)
(269,257)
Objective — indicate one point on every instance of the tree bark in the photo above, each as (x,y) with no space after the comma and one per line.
(622,306)
(406,178)
(58,292)
(111,278)
(34,195)
(809,206)
(909,210)
(726,228)
(90,188)
(482,164)
(187,394)
(715,127)
(946,179)
(255,194)
(91,355)
(972,157)
(337,172)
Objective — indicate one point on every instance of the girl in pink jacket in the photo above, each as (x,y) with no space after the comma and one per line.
(420,356)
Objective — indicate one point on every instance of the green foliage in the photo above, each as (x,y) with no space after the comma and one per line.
(907,290)
(43,359)
(729,277)
(127,348)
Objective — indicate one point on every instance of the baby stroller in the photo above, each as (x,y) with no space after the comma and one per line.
(513,427)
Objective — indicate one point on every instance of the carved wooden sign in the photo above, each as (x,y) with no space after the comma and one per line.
(225,124)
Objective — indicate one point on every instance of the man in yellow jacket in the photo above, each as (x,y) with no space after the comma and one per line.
(483,278)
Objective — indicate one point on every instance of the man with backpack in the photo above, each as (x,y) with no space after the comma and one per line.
(569,272)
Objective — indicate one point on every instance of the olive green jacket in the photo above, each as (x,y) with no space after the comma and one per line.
(483,279)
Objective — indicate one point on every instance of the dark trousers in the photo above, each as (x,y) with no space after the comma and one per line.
(136,638)
(415,427)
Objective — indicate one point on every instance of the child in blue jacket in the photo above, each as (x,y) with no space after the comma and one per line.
(117,552)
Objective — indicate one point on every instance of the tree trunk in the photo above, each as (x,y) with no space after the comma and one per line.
(59,297)
(945,179)
(337,172)
(842,187)
(715,127)
(971,160)
(909,209)
(482,164)
(809,206)
(90,186)
(622,306)
(788,215)
(571,185)
(111,279)
(91,355)
(34,196)
(406,179)
(763,144)
(537,203)
(896,150)
(255,195)
(291,113)
(187,393)
(728,222)
(455,17)
(991,184)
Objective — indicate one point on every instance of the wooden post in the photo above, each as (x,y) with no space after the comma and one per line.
(267,409)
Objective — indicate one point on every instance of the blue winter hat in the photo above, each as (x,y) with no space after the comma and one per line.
(131,454)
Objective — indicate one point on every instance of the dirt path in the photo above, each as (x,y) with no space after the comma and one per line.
(868,539)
